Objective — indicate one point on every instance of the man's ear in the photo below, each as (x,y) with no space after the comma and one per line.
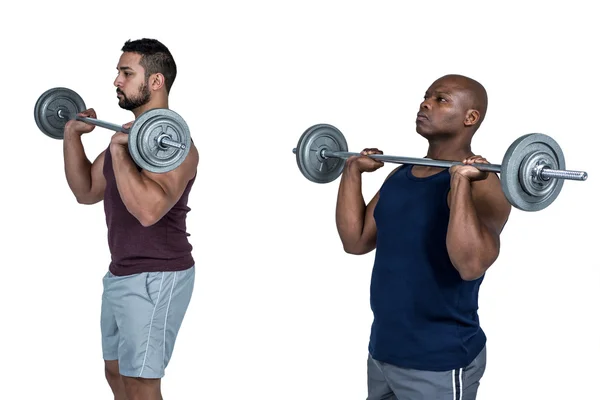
(156,81)
(472,117)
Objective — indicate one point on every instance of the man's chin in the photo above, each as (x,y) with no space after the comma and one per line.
(423,132)
(125,106)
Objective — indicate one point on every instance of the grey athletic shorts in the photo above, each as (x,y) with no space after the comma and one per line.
(386,381)
(140,318)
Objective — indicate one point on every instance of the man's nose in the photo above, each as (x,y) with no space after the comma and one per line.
(425,105)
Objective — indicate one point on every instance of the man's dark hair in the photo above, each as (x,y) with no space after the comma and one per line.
(156,58)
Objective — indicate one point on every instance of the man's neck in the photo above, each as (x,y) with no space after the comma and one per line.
(454,149)
(152,104)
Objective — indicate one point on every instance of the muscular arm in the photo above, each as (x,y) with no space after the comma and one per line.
(478,212)
(354,219)
(149,196)
(85,179)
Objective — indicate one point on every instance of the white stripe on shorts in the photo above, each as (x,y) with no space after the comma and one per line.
(151,321)
(166,316)
(457,383)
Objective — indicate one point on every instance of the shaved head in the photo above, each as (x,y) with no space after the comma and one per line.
(476,95)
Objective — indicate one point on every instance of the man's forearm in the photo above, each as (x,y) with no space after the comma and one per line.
(77,166)
(470,245)
(140,196)
(350,209)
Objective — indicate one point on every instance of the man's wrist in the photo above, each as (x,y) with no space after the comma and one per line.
(352,167)
(457,177)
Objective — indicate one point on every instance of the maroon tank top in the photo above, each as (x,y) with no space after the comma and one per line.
(134,248)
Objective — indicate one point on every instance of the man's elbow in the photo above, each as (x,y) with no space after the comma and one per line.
(149,216)
(352,250)
(147,213)
(146,223)
(357,249)
(470,271)
(82,200)
(147,219)
(472,264)
(471,274)
(86,199)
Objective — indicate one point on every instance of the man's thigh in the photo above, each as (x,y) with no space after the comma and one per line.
(148,309)
(108,324)
(457,384)
(377,385)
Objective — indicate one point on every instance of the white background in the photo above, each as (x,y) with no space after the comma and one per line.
(279,310)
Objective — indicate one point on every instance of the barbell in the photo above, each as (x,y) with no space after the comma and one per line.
(532,170)
(159,139)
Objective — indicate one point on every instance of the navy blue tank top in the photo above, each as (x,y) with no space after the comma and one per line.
(425,314)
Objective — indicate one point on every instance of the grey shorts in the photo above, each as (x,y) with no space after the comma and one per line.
(386,381)
(140,318)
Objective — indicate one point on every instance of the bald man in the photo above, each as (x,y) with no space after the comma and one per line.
(436,231)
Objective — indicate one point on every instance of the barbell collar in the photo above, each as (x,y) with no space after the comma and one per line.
(165,141)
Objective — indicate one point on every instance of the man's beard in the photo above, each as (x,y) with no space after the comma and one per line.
(132,103)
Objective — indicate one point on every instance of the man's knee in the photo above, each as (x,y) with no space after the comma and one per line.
(142,388)
(111,370)
(113,377)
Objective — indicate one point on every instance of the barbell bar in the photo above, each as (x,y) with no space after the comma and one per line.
(159,139)
(532,170)
(541,172)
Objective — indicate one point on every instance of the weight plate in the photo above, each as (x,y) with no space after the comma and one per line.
(48,106)
(308,153)
(520,183)
(144,140)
